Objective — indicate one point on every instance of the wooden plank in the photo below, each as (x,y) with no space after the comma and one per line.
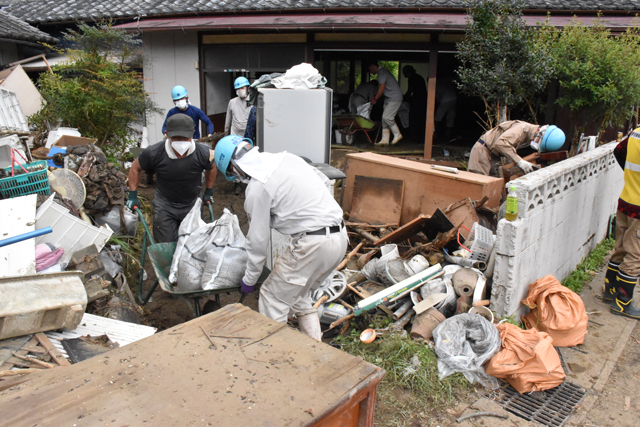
(431,98)
(7,383)
(377,200)
(53,352)
(275,375)
(404,232)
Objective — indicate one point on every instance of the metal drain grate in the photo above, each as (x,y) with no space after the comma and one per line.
(550,408)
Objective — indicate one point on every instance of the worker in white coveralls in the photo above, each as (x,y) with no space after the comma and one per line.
(389,87)
(623,270)
(286,194)
(505,139)
(179,162)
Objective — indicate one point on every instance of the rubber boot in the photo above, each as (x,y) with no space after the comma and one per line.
(624,302)
(386,133)
(610,288)
(397,136)
(310,325)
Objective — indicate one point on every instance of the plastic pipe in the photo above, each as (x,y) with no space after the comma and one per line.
(25,236)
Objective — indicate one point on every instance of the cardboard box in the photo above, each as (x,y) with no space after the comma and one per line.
(70,141)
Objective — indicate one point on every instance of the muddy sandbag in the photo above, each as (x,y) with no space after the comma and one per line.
(556,310)
(189,224)
(526,360)
(464,343)
(214,256)
(227,257)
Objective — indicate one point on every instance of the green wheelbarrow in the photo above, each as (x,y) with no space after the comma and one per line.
(161,256)
(350,124)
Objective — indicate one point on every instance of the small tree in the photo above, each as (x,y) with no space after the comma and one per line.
(96,91)
(502,62)
(599,74)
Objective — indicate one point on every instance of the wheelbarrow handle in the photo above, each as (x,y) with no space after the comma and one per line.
(144,224)
(211,212)
(25,236)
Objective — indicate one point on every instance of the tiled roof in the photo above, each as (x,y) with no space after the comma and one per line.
(71,10)
(16,29)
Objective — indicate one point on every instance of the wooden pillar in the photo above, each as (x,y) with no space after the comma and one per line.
(431,97)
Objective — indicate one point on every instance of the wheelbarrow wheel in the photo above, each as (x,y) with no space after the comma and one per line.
(210,306)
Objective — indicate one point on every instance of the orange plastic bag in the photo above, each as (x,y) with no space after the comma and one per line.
(556,310)
(526,360)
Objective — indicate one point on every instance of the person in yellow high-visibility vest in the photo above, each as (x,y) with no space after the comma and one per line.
(623,269)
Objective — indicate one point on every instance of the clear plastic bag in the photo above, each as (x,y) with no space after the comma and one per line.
(464,343)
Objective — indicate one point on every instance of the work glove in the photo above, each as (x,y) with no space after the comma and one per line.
(373,101)
(133,201)
(525,166)
(208,196)
(246,289)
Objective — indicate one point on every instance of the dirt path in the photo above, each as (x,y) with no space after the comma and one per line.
(164,311)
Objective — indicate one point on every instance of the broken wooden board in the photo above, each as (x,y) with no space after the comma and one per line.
(403,233)
(462,213)
(230,365)
(430,225)
(377,200)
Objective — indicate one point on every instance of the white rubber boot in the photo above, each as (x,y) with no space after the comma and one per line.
(386,134)
(310,325)
(397,136)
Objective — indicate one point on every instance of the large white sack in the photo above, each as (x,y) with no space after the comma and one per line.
(214,256)
(189,224)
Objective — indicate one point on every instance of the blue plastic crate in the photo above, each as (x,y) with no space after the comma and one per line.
(25,183)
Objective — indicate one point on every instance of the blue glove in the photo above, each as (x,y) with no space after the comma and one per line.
(246,289)
(208,196)
(133,201)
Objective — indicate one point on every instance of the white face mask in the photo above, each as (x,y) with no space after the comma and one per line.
(242,92)
(181,104)
(181,147)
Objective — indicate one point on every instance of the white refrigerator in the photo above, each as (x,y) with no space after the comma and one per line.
(297,121)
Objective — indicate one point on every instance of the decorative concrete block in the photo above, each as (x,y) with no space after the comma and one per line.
(563,213)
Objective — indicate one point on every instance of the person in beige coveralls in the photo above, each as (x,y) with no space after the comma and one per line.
(503,140)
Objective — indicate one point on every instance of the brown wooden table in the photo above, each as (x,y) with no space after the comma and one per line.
(231,367)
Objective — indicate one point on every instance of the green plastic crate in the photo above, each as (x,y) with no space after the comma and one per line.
(25,183)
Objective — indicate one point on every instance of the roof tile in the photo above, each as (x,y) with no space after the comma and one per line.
(14,28)
(42,11)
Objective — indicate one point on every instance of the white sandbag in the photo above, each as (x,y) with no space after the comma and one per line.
(213,256)
(227,257)
(189,224)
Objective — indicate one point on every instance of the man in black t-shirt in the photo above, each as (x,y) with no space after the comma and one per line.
(178,163)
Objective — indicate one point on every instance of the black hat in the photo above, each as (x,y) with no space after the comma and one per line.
(180,125)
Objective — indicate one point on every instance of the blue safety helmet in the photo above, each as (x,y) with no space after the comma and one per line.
(178,92)
(241,82)
(552,140)
(225,152)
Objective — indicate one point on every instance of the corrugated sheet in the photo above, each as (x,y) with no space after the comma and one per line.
(12,118)
(118,331)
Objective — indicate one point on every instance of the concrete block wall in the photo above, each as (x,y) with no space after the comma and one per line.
(563,213)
